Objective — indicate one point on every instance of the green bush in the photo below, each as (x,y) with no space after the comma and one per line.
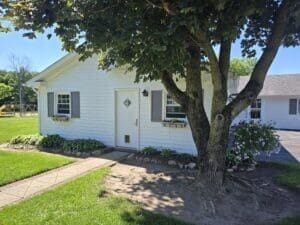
(82,145)
(186,157)
(52,141)
(167,153)
(150,151)
(249,140)
(27,139)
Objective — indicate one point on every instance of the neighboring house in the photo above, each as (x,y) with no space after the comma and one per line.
(278,103)
(110,107)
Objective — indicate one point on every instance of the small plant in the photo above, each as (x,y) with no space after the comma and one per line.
(60,118)
(26,140)
(167,153)
(186,157)
(52,141)
(150,151)
(249,140)
(82,145)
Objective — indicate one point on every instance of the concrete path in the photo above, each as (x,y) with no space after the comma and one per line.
(26,188)
(290,148)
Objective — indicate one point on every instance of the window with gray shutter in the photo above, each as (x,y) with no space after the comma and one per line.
(50,104)
(156,106)
(75,104)
(293,106)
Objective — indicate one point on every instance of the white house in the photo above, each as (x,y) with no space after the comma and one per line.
(278,103)
(110,107)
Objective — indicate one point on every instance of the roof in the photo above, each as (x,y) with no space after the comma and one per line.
(52,69)
(276,85)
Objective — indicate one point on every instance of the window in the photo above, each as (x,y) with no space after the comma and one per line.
(255,109)
(63,104)
(293,106)
(173,109)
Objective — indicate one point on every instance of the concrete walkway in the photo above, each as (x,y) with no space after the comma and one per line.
(26,188)
(290,148)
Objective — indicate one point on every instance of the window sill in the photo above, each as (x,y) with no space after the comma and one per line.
(174,123)
(61,118)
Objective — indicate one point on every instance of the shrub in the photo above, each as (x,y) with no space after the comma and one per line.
(150,151)
(186,157)
(166,153)
(52,141)
(27,139)
(249,140)
(82,145)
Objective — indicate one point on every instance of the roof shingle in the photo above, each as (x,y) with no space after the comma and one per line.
(276,85)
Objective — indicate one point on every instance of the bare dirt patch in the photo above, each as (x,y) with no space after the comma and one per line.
(173,192)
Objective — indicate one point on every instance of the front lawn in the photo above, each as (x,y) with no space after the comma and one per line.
(18,165)
(82,201)
(13,126)
(290,176)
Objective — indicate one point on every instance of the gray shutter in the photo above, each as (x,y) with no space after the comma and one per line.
(75,104)
(50,103)
(156,106)
(293,106)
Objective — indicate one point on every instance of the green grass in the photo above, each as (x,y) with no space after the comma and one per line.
(81,202)
(290,221)
(291,175)
(18,165)
(13,126)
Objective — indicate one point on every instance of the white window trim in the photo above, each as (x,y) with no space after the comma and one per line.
(56,103)
(297,107)
(164,111)
(256,109)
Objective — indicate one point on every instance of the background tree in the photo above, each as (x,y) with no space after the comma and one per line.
(242,66)
(164,40)
(12,80)
(5,92)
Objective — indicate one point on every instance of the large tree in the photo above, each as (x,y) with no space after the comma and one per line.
(164,39)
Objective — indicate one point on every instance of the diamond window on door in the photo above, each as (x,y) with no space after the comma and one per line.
(127,102)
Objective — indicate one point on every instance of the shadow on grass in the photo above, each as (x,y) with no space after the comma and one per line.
(140,216)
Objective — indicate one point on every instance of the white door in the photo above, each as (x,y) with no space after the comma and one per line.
(127,118)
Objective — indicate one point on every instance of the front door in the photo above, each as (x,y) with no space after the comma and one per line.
(127,118)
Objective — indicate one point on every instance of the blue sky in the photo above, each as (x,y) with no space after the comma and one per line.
(42,52)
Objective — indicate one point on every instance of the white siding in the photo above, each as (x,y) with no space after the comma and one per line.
(275,110)
(97,108)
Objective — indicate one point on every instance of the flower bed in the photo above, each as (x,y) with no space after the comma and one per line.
(57,144)
(168,157)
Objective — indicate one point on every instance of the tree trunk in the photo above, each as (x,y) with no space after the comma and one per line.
(200,129)
(211,142)
(213,168)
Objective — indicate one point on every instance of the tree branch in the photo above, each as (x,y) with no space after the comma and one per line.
(179,96)
(224,58)
(255,84)
(204,43)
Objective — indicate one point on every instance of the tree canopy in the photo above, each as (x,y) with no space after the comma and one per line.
(242,66)
(5,92)
(152,36)
(9,88)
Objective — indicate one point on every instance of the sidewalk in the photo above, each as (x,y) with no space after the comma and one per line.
(26,188)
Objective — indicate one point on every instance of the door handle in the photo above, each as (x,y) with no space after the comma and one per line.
(136,122)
